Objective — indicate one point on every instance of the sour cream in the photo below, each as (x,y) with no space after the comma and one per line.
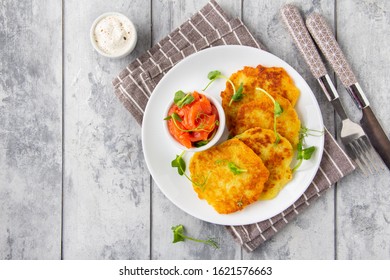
(113,35)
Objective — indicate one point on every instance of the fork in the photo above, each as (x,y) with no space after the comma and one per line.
(353,137)
(357,143)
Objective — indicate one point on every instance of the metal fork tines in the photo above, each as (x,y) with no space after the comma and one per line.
(352,135)
(359,147)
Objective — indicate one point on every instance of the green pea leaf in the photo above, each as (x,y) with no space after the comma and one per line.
(237,96)
(212,75)
(178,233)
(179,95)
(304,153)
(201,143)
(278,110)
(182,99)
(179,236)
(174,116)
(180,164)
(308,152)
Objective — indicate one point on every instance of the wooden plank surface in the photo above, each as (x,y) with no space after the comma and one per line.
(30,129)
(363,209)
(107,186)
(87,144)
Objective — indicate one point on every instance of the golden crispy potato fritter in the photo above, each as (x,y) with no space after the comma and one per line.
(276,158)
(229,176)
(274,80)
(260,113)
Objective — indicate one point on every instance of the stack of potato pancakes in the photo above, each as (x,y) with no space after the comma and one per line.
(255,163)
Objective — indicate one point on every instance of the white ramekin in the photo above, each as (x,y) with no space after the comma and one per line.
(132,39)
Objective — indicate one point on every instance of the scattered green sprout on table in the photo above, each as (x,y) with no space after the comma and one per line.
(179,236)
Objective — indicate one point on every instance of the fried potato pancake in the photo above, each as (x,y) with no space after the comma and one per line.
(229,176)
(260,113)
(274,80)
(276,158)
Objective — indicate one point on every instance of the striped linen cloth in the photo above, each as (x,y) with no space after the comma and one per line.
(207,28)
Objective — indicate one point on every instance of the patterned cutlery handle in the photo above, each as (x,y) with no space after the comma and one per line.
(297,28)
(326,41)
(298,31)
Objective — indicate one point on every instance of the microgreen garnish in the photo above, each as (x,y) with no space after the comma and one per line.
(180,164)
(235,169)
(182,99)
(214,75)
(231,165)
(201,143)
(304,132)
(237,94)
(174,116)
(179,236)
(278,110)
(205,142)
(305,153)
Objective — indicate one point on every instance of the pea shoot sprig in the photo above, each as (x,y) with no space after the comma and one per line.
(278,110)
(180,164)
(181,98)
(179,236)
(237,94)
(305,153)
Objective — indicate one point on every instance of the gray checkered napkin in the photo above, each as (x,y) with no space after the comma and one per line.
(207,28)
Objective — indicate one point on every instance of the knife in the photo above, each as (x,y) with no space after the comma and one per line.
(326,41)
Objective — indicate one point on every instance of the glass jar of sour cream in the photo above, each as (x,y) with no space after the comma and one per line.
(113,35)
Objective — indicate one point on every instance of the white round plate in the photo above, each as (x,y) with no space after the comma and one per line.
(191,74)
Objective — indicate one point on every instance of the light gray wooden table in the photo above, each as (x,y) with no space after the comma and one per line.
(73,180)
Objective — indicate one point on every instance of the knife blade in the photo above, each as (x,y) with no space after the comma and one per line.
(323,36)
